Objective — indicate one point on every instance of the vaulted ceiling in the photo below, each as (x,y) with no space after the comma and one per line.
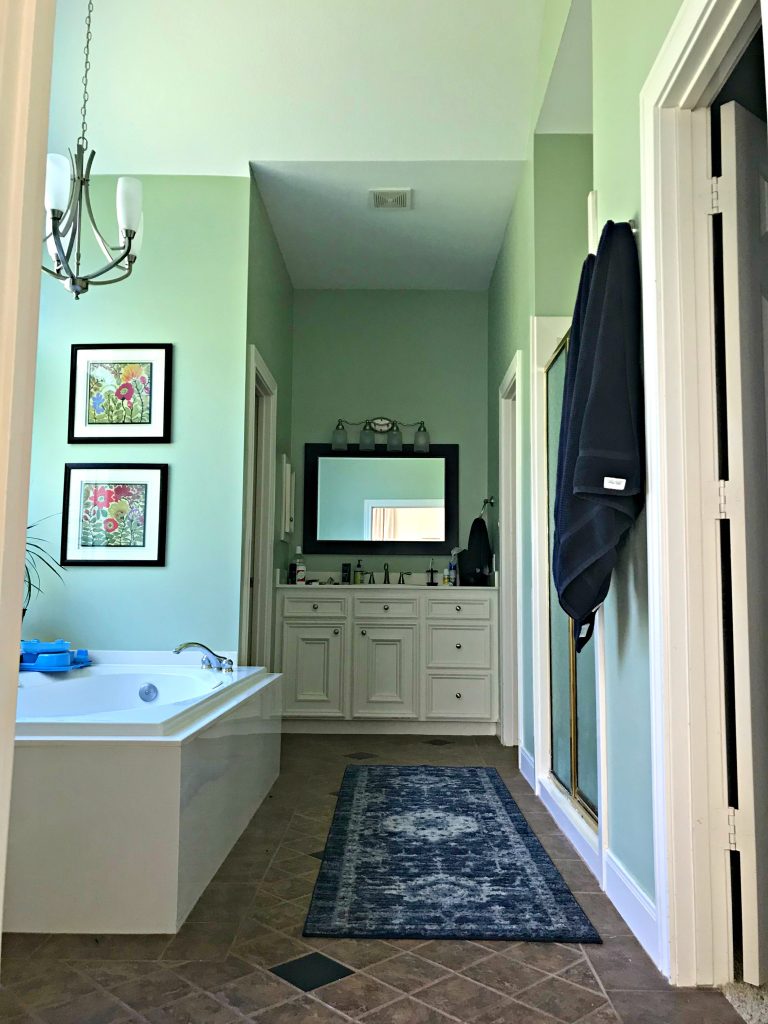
(346,90)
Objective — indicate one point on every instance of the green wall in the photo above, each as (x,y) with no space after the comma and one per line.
(537,273)
(404,354)
(270,329)
(345,485)
(189,289)
(619,71)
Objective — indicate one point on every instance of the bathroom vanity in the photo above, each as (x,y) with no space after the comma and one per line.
(388,659)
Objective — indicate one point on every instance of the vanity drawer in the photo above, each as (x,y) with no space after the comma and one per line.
(314,606)
(459,608)
(383,607)
(460,696)
(459,646)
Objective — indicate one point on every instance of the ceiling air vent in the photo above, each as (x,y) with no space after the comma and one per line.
(391,198)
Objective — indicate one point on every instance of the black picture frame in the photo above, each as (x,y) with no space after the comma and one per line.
(162,512)
(122,434)
(311,545)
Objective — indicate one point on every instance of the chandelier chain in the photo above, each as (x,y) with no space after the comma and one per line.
(83,140)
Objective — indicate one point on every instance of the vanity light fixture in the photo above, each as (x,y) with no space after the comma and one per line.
(68,204)
(380,425)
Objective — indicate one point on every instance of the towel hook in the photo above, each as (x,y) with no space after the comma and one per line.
(487,501)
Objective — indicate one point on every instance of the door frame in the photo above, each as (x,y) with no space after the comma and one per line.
(25,82)
(547,332)
(259,490)
(689,802)
(511,597)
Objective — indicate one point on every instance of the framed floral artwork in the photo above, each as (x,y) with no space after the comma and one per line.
(114,514)
(120,394)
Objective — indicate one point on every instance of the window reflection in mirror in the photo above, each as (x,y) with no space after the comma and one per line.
(364,499)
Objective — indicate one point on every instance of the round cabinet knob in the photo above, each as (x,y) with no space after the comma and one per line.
(363,632)
(458,607)
(386,607)
(315,607)
(458,696)
(458,647)
(336,632)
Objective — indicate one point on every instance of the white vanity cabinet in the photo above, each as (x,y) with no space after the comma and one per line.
(394,659)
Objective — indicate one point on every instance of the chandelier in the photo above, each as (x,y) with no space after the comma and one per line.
(68,206)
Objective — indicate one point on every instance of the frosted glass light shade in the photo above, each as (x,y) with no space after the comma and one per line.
(339,438)
(367,438)
(421,440)
(57,182)
(129,201)
(394,439)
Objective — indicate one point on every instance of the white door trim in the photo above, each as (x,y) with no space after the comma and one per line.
(692,897)
(511,597)
(259,483)
(26,30)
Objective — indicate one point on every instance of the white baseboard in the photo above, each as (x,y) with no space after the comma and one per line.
(527,767)
(341,727)
(575,828)
(634,905)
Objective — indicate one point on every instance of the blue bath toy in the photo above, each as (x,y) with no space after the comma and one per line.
(55,656)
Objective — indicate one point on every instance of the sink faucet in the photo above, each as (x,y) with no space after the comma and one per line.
(209,660)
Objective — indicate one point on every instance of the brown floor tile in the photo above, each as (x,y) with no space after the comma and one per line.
(547,956)
(287,888)
(269,948)
(21,969)
(581,973)
(103,947)
(211,975)
(153,990)
(460,997)
(197,1008)
(96,1008)
(577,876)
(57,985)
(564,1001)
(407,972)
(285,915)
(304,1010)
(680,1006)
(604,1015)
(355,953)
(111,973)
(405,945)
(603,915)
(255,991)
(10,1006)
(203,941)
(407,1011)
(21,943)
(223,901)
(455,955)
(356,994)
(511,1012)
(504,974)
(623,964)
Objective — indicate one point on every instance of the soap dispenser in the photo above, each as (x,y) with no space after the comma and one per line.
(359,576)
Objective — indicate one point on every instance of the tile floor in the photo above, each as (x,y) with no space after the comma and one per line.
(231,959)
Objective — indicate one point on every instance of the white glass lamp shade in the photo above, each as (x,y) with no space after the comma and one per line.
(339,438)
(394,439)
(58,176)
(129,200)
(421,439)
(367,438)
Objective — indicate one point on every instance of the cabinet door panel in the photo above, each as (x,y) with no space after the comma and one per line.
(312,666)
(385,671)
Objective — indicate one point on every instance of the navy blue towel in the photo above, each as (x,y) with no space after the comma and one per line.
(602,477)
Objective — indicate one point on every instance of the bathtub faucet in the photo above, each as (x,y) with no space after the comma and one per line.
(210,660)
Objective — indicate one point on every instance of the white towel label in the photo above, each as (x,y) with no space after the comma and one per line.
(583,631)
(614,483)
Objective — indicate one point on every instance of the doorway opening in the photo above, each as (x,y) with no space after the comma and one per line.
(259,489)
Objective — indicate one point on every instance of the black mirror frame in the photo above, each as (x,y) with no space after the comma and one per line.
(312,546)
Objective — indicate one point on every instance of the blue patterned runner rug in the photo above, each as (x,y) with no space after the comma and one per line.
(438,853)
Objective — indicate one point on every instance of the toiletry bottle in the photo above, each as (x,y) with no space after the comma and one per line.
(446,576)
(359,576)
(452,571)
(301,569)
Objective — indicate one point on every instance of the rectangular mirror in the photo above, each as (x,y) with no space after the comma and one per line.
(380,501)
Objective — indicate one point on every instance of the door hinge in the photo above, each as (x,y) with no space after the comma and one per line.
(722,499)
(732,840)
(714,185)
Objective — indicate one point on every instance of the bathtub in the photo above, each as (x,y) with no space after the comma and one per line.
(123,810)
